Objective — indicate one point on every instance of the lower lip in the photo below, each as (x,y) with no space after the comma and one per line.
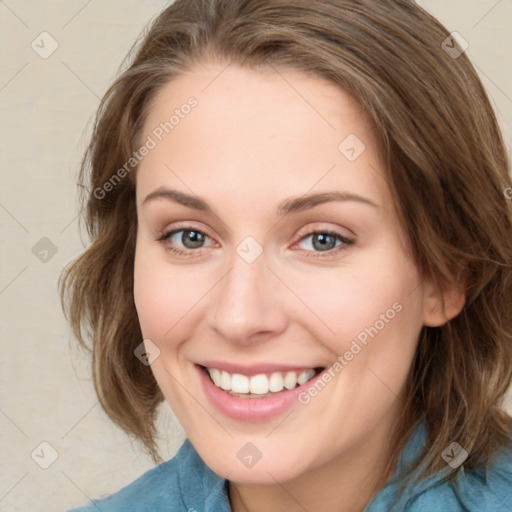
(250,409)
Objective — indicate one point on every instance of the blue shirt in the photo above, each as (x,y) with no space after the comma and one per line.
(186,484)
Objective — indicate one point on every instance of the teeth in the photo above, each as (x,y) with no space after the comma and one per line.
(305,376)
(215,375)
(290,381)
(259,384)
(239,383)
(225,381)
(275,382)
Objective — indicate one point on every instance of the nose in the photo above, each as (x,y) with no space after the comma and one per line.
(247,304)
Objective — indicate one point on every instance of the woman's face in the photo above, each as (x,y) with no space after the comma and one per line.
(268,247)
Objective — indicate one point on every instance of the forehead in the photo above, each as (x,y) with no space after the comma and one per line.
(269,132)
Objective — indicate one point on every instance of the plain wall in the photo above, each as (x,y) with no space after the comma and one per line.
(46,108)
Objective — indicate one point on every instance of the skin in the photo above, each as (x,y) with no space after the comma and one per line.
(255,139)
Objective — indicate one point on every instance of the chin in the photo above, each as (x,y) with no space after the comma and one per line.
(273,466)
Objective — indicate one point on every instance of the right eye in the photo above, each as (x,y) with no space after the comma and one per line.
(191,241)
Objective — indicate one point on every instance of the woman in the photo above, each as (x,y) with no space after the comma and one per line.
(301,241)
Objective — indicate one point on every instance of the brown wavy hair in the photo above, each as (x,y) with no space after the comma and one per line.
(447,168)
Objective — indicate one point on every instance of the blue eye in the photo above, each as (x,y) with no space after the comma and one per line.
(196,238)
(324,243)
(193,237)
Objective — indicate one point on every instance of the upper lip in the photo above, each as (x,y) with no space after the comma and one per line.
(255,369)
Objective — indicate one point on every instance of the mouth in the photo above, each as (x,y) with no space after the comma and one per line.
(261,385)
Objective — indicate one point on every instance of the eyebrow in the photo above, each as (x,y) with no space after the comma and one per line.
(291,205)
(299,204)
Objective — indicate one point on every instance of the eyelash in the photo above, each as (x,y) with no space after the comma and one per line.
(346,242)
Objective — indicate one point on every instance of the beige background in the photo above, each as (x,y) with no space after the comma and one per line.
(46,107)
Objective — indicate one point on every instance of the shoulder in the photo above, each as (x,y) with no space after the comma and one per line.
(476,490)
(157,484)
(480,489)
(172,486)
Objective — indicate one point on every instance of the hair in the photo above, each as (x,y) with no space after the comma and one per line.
(447,168)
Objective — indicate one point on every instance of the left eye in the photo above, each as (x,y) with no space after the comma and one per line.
(324,241)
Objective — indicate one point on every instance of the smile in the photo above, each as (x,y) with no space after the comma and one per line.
(260,385)
(232,389)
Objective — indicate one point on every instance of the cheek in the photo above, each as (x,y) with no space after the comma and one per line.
(373,298)
(167,297)
(164,296)
(154,300)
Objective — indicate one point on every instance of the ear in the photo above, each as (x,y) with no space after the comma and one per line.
(441,304)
